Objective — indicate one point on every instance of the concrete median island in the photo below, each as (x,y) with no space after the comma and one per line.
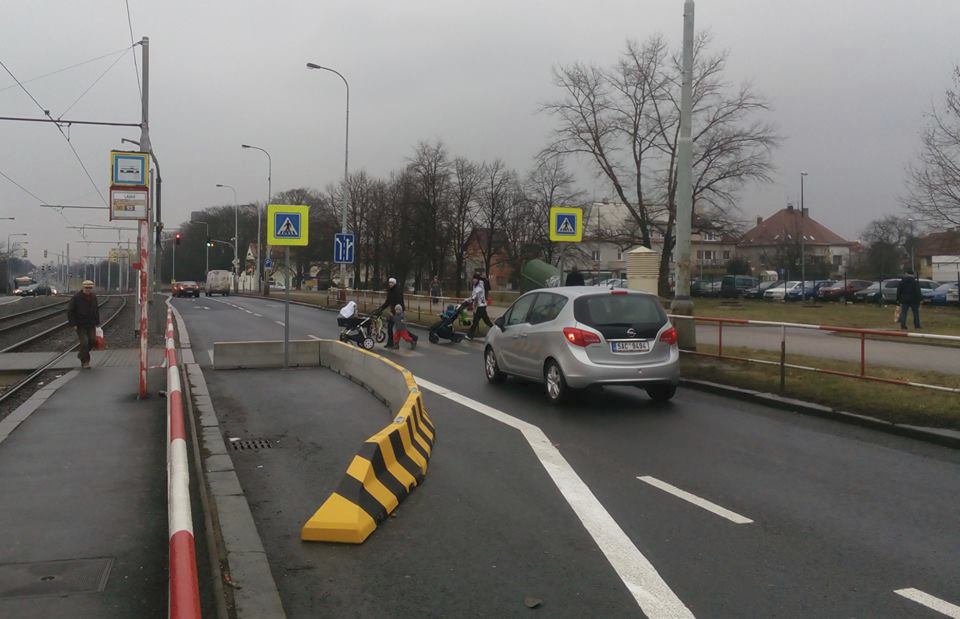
(388,465)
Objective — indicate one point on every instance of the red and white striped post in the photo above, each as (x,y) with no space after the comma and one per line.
(184,592)
(144,233)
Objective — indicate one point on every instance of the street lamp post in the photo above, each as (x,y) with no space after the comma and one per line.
(803,252)
(346,160)
(259,272)
(236,232)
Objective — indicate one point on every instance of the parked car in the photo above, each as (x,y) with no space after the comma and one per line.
(733,286)
(927,288)
(613,283)
(187,289)
(941,296)
(757,291)
(872,293)
(780,291)
(842,291)
(218,282)
(572,338)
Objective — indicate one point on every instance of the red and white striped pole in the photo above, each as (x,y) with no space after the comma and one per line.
(144,233)
(184,592)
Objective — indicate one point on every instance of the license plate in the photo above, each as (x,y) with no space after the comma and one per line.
(630,346)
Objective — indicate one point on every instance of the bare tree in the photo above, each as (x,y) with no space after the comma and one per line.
(467,177)
(626,120)
(934,182)
(494,200)
(430,171)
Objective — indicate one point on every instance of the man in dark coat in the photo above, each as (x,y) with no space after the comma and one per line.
(909,296)
(394,298)
(574,277)
(84,314)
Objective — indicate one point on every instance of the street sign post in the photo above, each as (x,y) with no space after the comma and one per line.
(287,226)
(566,224)
(129,168)
(343,246)
(268,263)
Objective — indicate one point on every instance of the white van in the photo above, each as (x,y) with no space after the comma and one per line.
(219,282)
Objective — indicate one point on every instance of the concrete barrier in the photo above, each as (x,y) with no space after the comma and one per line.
(389,464)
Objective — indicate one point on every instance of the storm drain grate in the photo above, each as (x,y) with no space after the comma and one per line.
(63,577)
(251,444)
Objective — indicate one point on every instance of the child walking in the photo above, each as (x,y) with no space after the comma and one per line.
(400,331)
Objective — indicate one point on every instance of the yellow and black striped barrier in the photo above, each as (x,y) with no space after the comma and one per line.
(387,468)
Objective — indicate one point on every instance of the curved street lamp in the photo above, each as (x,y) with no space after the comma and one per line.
(269,197)
(236,231)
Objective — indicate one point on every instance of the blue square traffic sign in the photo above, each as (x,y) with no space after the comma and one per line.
(343,245)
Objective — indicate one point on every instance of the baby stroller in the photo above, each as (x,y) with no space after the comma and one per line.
(444,328)
(353,328)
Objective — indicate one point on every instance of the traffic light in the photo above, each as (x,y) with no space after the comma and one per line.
(176,238)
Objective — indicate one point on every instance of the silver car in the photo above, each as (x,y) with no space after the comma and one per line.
(578,336)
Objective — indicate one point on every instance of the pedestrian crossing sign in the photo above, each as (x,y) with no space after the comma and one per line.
(288,225)
(566,224)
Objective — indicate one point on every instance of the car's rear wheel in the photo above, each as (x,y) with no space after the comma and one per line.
(555,385)
(490,367)
(661,393)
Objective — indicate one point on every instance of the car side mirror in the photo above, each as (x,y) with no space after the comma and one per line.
(499,323)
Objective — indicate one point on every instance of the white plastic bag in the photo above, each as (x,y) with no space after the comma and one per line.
(101,342)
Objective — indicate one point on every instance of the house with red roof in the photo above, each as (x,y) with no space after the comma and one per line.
(790,235)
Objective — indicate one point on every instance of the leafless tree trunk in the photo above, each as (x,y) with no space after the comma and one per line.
(466,181)
(934,184)
(549,184)
(492,207)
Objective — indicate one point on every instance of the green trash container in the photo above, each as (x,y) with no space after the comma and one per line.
(539,274)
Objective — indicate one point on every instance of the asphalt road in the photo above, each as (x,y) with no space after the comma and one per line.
(841,516)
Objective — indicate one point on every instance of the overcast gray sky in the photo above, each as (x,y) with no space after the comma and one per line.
(849,80)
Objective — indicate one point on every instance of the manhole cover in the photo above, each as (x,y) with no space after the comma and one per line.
(250,444)
(54,577)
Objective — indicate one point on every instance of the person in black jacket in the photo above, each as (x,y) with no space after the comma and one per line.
(909,296)
(574,277)
(84,314)
(394,298)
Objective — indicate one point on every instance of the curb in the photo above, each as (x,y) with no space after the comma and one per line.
(231,528)
(943,437)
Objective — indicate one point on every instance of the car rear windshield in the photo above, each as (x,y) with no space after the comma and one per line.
(612,314)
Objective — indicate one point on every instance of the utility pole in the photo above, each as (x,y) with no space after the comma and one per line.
(144,224)
(682,303)
(803,239)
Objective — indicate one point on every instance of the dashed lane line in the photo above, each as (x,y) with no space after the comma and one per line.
(933,603)
(279,322)
(313,337)
(694,499)
(259,315)
(641,578)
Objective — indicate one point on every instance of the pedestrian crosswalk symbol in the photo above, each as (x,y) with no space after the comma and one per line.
(288,224)
(566,224)
(288,229)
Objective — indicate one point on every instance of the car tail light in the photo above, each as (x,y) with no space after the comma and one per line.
(669,336)
(579,337)
(618,291)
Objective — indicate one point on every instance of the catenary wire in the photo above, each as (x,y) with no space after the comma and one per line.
(90,87)
(73,66)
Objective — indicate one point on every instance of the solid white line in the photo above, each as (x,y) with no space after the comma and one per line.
(651,593)
(931,602)
(692,498)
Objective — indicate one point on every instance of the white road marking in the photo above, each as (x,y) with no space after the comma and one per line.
(205,307)
(692,498)
(259,315)
(933,603)
(641,578)
(279,322)
(248,311)
(313,337)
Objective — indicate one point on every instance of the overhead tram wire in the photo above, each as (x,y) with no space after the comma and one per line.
(33,195)
(136,67)
(89,88)
(59,128)
(73,66)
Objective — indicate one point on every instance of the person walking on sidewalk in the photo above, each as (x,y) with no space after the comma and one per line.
(83,313)
(909,296)
(394,298)
(479,300)
(400,330)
